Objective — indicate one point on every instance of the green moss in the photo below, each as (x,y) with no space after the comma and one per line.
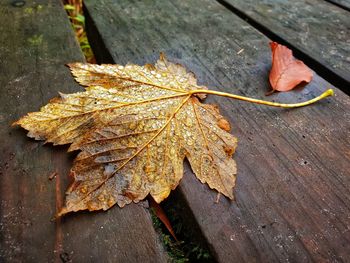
(173,248)
(194,251)
(182,251)
(35,40)
(29,10)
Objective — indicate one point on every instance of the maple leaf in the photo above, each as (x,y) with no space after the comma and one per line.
(286,72)
(133,126)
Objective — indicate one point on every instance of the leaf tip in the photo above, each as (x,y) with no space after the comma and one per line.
(162,56)
(73,64)
(61,213)
(16,123)
(273,45)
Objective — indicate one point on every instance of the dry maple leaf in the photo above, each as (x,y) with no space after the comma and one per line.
(286,72)
(134,126)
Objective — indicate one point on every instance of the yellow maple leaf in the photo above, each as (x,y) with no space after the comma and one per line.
(134,125)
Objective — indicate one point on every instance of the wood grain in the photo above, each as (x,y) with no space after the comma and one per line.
(319,31)
(292,194)
(36,41)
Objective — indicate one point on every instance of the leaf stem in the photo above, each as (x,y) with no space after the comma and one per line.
(325,94)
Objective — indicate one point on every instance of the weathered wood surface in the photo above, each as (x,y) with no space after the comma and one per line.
(292,194)
(36,41)
(317,29)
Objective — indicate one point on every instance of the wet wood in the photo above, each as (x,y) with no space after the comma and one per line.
(36,41)
(292,195)
(318,30)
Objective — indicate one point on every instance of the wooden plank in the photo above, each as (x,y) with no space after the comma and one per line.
(36,41)
(293,165)
(305,26)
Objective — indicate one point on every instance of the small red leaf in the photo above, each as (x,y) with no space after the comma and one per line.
(286,72)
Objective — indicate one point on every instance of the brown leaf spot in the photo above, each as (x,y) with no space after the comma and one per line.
(111,201)
(101,198)
(130,195)
(229,150)
(83,190)
(92,206)
(224,124)
(150,168)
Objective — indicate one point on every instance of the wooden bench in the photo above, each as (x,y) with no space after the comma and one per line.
(292,193)
(35,45)
(317,30)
